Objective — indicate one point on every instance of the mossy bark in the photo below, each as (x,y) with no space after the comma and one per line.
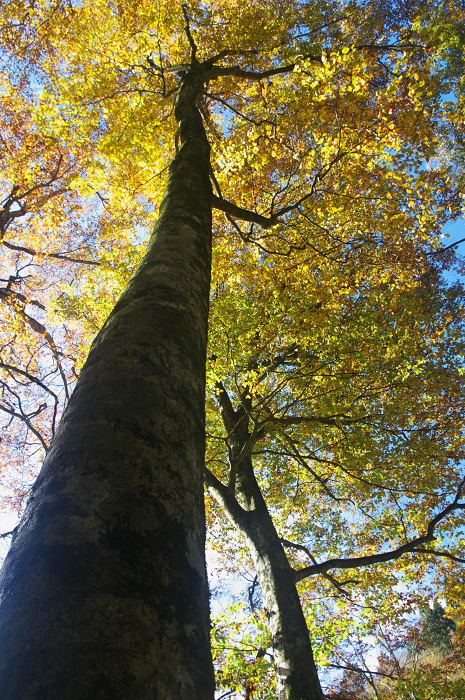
(104,592)
(296,673)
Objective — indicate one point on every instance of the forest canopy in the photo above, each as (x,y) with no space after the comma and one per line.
(334,375)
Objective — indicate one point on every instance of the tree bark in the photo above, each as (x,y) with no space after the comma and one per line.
(296,673)
(104,591)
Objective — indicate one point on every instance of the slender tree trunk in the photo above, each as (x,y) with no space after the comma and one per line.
(104,592)
(296,673)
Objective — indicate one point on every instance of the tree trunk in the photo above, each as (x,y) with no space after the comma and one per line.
(104,590)
(296,673)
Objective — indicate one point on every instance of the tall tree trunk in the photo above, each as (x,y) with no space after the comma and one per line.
(104,591)
(296,674)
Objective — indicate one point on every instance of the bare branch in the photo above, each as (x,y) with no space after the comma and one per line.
(39,328)
(11,368)
(7,534)
(28,423)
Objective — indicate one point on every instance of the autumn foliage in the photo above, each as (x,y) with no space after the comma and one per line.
(336,307)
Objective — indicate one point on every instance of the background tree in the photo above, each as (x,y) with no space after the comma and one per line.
(52,235)
(275,443)
(436,629)
(409,664)
(274,417)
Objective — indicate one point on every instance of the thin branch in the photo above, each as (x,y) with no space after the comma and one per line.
(226,53)
(236,111)
(447,247)
(337,419)
(25,420)
(287,353)
(59,256)
(7,534)
(360,670)
(227,694)
(369,560)
(267,222)
(389,47)
(11,298)
(39,328)
(437,553)
(320,175)
(321,480)
(11,368)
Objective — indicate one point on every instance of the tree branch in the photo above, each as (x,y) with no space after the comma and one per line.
(7,534)
(447,247)
(336,419)
(237,72)
(289,352)
(337,584)
(267,222)
(243,214)
(11,368)
(226,499)
(190,38)
(361,670)
(26,420)
(59,256)
(369,560)
(323,481)
(239,114)
(228,413)
(424,550)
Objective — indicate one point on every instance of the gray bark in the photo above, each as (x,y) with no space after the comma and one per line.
(104,592)
(296,673)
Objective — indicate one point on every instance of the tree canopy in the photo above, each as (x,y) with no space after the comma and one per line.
(335,361)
